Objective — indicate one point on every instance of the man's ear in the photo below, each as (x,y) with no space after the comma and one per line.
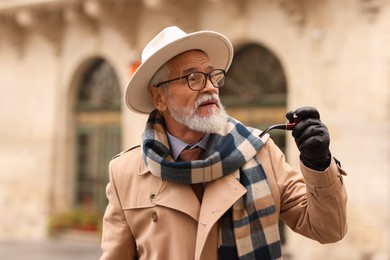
(158,98)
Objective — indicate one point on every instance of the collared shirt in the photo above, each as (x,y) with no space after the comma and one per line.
(178,145)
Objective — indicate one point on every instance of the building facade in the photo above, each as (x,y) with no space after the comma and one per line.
(64,65)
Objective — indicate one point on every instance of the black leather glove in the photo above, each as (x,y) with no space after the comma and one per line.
(311,137)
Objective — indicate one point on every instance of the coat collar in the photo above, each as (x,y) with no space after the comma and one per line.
(219,196)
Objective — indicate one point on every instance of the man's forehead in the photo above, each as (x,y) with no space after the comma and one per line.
(190,61)
(197,69)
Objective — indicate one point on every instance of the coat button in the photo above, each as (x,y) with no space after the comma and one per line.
(152,196)
(154,216)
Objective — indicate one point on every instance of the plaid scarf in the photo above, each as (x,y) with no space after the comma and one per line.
(249,230)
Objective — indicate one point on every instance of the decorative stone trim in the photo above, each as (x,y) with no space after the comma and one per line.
(295,11)
(50,18)
(370,8)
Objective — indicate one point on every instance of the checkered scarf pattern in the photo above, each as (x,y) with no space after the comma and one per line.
(249,230)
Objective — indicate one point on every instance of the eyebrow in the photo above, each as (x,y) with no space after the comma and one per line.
(194,69)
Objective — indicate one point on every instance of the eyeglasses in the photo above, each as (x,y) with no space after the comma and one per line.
(196,81)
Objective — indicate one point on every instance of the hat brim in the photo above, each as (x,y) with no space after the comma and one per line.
(217,47)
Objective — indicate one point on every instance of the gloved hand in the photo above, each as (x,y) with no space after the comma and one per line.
(311,137)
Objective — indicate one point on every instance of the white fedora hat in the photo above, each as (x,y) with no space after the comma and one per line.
(167,44)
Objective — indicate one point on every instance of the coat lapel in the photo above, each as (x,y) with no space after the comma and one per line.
(173,195)
(219,196)
(179,197)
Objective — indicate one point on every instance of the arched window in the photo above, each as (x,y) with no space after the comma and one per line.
(256,92)
(97,135)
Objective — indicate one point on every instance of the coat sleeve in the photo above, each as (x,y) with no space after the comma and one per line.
(117,240)
(312,203)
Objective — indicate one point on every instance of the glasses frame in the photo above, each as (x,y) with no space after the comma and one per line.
(206,75)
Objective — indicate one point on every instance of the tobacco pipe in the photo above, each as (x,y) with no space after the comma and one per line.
(288,126)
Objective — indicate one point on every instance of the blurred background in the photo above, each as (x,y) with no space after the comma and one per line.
(64,65)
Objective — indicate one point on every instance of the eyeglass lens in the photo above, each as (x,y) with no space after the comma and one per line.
(198,80)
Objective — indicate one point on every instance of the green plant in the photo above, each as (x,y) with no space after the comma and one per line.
(76,219)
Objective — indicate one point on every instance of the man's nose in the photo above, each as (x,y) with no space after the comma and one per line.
(209,87)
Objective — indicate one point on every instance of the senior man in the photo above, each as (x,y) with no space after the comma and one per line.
(202,185)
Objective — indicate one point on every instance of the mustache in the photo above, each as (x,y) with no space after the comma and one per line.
(207,97)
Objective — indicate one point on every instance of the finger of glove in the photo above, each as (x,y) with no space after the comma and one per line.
(303,125)
(290,116)
(314,146)
(307,112)
(314,138)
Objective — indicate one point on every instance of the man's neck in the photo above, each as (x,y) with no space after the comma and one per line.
(178,145)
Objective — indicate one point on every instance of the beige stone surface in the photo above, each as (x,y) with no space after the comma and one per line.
(335,55)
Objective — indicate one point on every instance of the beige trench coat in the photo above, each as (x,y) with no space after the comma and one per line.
(151,218)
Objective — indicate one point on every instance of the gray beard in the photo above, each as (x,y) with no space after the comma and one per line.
(187,116)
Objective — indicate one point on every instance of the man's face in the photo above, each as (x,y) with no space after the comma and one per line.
(199,111)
